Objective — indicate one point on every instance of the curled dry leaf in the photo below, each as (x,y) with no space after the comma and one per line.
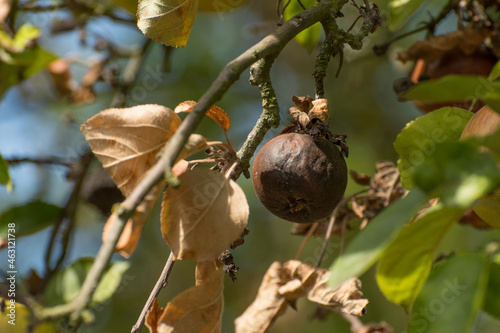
(198,309)
(167,21)
(204,215)
(214,112)
(285,282)
(61,77)
(153,316)
(319,109)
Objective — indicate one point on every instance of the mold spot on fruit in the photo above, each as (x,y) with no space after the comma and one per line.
(299,178)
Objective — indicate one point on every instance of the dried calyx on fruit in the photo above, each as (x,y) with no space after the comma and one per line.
(301,175)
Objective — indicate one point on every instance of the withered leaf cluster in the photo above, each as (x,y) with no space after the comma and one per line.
(384,187)
(308,109)
(200,218)
(67,87)
(309,112)
(284,283)
(381,190)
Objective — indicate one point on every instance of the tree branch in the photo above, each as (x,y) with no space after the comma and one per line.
(270,47)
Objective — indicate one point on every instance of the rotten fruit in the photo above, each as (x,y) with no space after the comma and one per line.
(299,178)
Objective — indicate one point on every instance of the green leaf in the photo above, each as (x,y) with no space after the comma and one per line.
(65,285)
(110,282)
(495,72)
(451,296)
(419,139)
(167,21)
(28,218)
(458,173)
(24,35)
(407,262)
(308,38)
(400,11)
(454,88)
(24,65)
(4,174)
(367,247)
(492,301)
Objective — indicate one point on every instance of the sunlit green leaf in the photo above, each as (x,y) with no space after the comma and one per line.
(65,285)
(4,173)
(110,282)
(454,88)
(28,218)
(407,262)
(418,140)
(367,247)
(24,35)
(458,173)
(400,11)
(451,296)
(308,38)
(167,21)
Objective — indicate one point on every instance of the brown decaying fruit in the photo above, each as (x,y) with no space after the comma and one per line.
(455,63)
(299,179)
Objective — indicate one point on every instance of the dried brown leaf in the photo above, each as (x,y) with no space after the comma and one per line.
(214,112)
(466,40)
(61,76)
(304,104)
(198,309)
(300,117)
(285,282)
(319,109)
(204,215)
(127,141)
(4,9)
(153,316)
(360,178)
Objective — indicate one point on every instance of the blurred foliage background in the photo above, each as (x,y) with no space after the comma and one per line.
(34,122)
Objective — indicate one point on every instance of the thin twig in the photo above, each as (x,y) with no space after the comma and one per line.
(270,45)
(67,215)
(342,236)
(38,160)
(160,284)
(310,232)
(355,323)
(327,236)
